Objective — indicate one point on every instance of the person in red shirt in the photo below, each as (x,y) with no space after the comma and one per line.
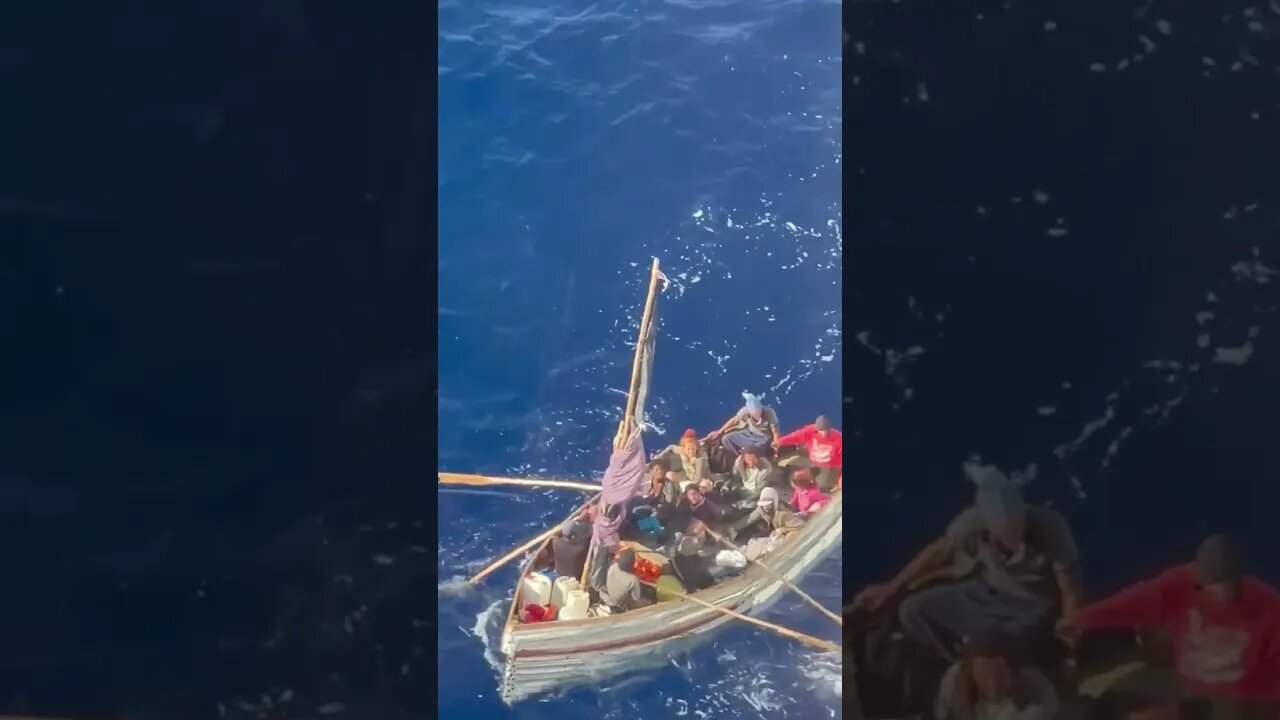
(1222,624)
(826,450)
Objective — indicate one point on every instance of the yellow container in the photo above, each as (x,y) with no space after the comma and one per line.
(669,588)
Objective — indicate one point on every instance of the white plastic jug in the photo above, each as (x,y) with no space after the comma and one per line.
(576,604)
(560,590)
(535,588)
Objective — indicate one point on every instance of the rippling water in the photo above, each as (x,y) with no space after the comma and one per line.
(577,141)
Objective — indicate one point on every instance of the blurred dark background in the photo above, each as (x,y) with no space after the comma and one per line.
(1157,171)
(216,258)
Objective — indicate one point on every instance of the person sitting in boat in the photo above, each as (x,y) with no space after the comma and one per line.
(689,458)
(751,473)
(569,550)
(657,498)
(689,565)
(719,562)
(605,528)
(824,446)
(1006,568)
(623,590)
(807,499)
(717,494)
(755,426)
(1222,623)
(768,516)
(988,682)
(700,508)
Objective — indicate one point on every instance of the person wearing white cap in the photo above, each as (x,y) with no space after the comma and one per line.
(768,515)
(1018,572)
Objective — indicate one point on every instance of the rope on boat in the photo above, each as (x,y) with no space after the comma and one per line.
(809,640)
(779,577)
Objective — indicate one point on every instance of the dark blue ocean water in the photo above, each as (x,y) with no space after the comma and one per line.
(1064,220)
(577,141)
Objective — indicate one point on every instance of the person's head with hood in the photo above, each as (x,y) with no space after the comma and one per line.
(823,426)
(1000,504)
(626,560)
(753,406)
(689,444)
(768,501)
(1219,570)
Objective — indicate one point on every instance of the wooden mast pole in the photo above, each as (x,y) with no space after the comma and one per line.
(624,426)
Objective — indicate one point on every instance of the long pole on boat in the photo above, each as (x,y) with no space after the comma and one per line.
(484,480)
(532,542)
(779,577)
(625,425)
(785,632)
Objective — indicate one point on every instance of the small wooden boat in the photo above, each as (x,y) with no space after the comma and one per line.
(558,655)
(550,656)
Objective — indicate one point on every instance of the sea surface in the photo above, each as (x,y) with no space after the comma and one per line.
(1064,222)
(577,141)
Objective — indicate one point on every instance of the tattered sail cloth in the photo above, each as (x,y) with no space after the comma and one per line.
(622,481)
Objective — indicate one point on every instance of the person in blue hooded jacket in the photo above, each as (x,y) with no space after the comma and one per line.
(1001,567)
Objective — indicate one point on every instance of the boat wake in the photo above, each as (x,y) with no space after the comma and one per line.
(456,586)
(488,628)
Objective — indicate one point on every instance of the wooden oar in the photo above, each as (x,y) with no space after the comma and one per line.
(778,576)
(810,640)
(516,553)
(464,479)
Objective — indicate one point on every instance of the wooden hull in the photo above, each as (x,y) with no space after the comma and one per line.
(555,656)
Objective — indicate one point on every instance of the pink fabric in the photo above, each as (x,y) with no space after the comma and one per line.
(806,499)
(626,473)
(622,481)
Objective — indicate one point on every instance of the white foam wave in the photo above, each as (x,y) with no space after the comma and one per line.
(488,628)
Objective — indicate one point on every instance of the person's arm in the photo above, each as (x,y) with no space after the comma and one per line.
(1069,588)
(773,423)
(799,437)
(1138,607)
(934,557)
(733,420)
